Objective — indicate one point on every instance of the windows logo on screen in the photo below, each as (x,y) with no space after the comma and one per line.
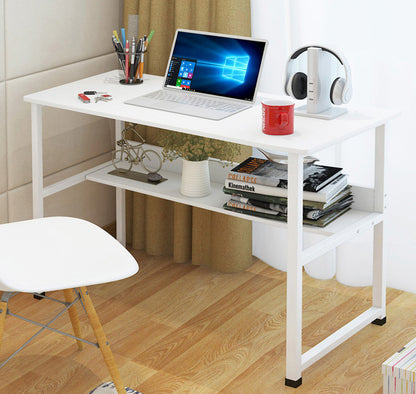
(235,68)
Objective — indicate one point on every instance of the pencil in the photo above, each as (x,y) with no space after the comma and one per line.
(139,58)
(127,61)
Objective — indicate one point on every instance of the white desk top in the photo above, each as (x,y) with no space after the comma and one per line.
(310,134)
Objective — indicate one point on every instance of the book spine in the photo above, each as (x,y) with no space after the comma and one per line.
(248,171)
(322,222)
(282,208)
(270,199)
(249,207)
(252,213)
(256,179)
(264,172)
(272,191)
(259,197)
(308,213)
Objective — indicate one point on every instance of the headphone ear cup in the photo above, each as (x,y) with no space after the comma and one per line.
(337,91)
(297,86)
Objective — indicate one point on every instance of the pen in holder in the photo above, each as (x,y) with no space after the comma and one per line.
(131,59)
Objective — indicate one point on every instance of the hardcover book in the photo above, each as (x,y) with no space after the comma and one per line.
(321,222)
(266,172)
(323,195)
(308,213)
(250,207)
(261,204)
(283,201)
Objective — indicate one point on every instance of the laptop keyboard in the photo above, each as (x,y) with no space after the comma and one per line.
(195,101)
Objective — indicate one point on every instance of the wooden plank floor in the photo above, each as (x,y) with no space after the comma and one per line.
(178,328)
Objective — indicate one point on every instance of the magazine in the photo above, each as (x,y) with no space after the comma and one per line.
(321,222)
(283,200)
(309,213)
(269,173)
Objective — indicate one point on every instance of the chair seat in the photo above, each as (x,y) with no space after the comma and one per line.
(58,253)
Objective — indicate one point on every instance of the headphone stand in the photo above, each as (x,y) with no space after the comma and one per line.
(330,113)
(319,86)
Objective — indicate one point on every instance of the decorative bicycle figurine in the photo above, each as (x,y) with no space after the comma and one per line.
(135,154)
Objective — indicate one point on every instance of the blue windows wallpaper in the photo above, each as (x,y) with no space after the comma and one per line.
(235,67)
(218,65)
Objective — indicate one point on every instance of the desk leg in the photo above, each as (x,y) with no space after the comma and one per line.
(121,215)
(379,279)
(37,161)
(294,273)
(120,197)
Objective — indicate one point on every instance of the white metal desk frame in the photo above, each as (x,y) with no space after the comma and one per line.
(296,362)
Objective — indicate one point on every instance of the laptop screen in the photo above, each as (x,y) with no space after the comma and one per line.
(215,64)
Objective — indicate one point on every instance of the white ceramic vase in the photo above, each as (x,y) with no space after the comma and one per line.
(195,178)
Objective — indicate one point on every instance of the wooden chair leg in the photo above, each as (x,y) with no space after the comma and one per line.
(3,311)
(102,341)
(73,315)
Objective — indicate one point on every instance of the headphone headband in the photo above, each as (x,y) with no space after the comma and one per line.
(303,49)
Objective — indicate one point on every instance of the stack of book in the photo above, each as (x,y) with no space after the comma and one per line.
(259,187)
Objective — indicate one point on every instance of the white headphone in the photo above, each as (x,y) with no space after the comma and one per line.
(296,84)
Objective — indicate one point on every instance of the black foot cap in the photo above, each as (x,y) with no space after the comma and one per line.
(380,322)
(293,383)
(38,297)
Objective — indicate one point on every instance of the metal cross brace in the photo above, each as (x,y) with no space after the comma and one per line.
(6,297)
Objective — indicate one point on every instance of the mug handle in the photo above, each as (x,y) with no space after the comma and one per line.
(284,119)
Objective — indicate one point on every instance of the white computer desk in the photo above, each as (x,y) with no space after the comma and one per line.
(310,136)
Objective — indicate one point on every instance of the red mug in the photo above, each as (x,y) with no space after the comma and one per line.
(278,116)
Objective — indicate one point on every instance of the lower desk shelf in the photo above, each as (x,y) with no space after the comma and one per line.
(351,221)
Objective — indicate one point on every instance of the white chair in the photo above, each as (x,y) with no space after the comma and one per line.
(62,253)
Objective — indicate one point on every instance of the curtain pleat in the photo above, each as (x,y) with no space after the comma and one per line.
(129,217)
(230,247)
(159,226)
(201,236)
(162,227)
(182,233)
(138,221)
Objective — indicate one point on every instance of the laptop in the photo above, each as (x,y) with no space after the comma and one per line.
(208,75)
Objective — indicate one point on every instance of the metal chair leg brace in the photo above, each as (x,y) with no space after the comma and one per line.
(5,299)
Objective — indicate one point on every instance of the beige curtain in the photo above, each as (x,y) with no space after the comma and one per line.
(162,227)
